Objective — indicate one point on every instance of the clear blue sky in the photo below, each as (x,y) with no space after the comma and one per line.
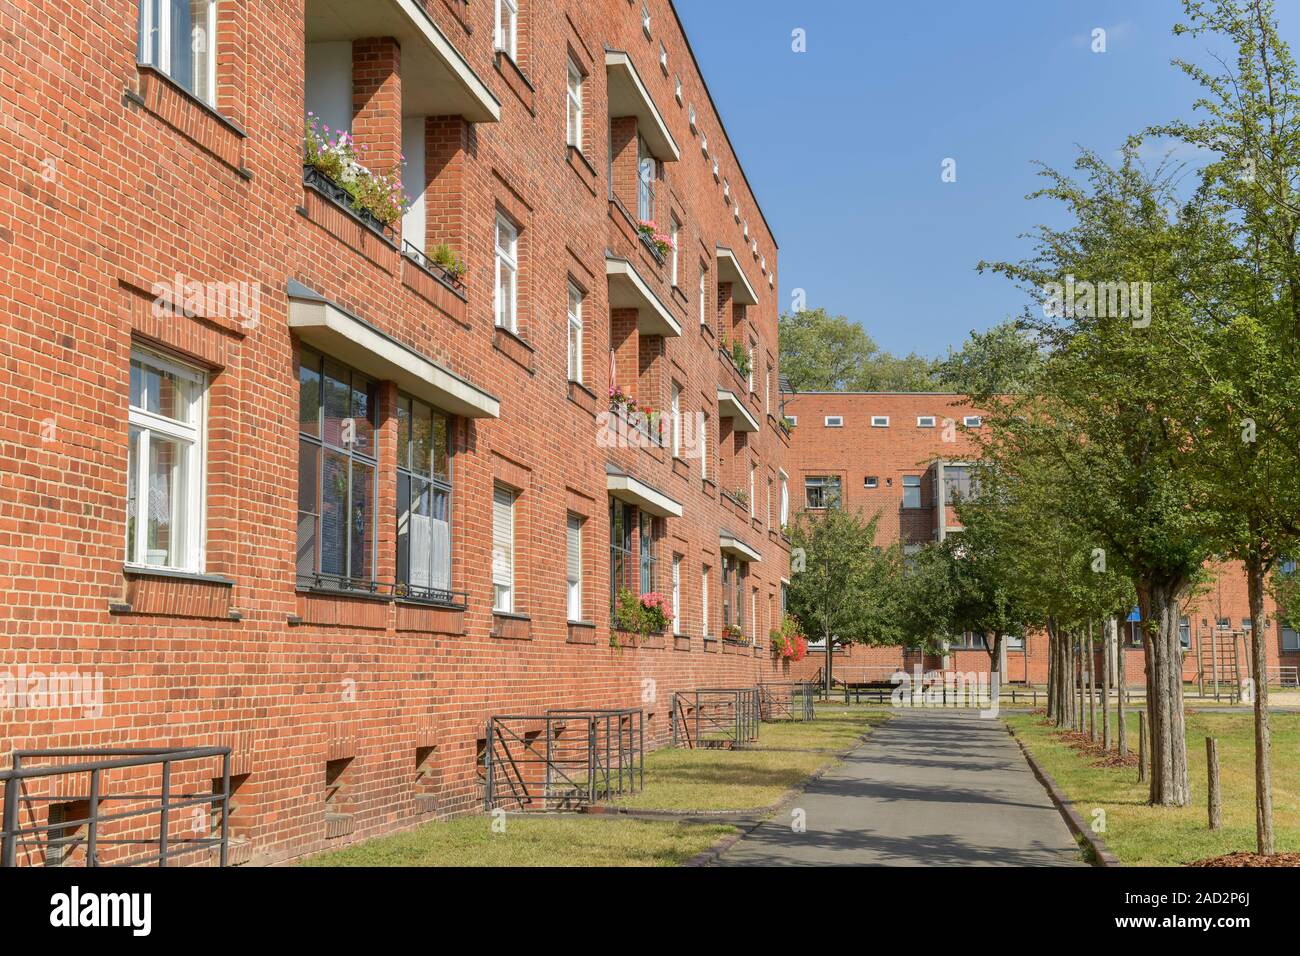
(843,144)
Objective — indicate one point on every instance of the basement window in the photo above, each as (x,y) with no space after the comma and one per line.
(834,421)
(972,421)
(925,421)
(879,421)
(870,481)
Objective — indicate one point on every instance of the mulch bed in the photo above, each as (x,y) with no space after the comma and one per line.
(1242,858)
(1105,758)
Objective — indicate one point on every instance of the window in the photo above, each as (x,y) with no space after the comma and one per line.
(1290,639)
(785,500)
(822,491)
(676,409)
(621,566)
(675,229)
(879,421)
(706,424)
(704,294)
(1135,633)
(573,563)
(164,463)
(911,491)
(645,17)
(677,593)
(663,58)
(834,421)
(503,550)
(957,483)
(767,388)
(645,162)
(1185,632)
(792,419)
(753,497)
(336,474)
(423,500)
(648,553)
(870,481)
(178,38)
(733,592)
(704,601)
(1015,642)
(507,27)
(972,421)
(925,421)
(507,274)
(968,641)
(753,353)
(575,334)
(574,131)
(769,503)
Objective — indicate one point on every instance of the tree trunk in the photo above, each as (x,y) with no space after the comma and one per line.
(1158,599)
(995,667)
(1106,680)
(1121,698)
(1255,571)
(1052,664)
(1092,686)
(827,676)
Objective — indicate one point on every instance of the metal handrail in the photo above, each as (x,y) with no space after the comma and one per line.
(95,762)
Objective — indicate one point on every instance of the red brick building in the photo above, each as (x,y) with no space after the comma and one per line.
(902,455)
(285,477)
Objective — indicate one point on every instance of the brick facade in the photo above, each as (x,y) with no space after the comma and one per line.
(117,180)
(857,450)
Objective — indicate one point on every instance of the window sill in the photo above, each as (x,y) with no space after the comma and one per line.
(165,592)
(200,123)
(582,167)
(512,627)
(581,632)
(583,397)
(150,571)
(513,347)
(516,79)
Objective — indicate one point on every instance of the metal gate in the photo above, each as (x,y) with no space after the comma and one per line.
(716,717)
(175,802)
(563,759)
(791,700)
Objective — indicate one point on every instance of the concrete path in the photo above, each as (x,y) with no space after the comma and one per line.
(929,788)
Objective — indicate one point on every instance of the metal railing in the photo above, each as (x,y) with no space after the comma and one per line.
(563,759)
(789,700)
(148,815)
(1284,675)
(718,717)
(388,590)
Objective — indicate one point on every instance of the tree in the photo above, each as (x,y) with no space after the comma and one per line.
(821,352)
(1004,360)
(1117,387)
(840,581)
(1246,290)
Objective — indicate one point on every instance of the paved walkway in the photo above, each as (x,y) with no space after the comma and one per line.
(929,788)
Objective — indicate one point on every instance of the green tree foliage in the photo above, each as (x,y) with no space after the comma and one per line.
(1004,360)
(840,582)
(821,352)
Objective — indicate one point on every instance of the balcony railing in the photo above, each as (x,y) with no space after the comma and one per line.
(439,271)
(637,423)
(316,180)
(384,590)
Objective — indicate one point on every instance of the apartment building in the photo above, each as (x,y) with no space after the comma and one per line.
(907,458)
(294,470)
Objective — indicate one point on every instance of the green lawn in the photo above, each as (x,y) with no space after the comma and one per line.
(541,840)
(1149,836)
(747,779)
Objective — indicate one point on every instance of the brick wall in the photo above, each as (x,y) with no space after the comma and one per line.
(116,179)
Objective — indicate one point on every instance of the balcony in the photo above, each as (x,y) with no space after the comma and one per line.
(730,271)
(649,499)
(628,290)
(628,96)
(731,406)
(436,78)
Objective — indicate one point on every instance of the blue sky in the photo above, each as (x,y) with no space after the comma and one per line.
(843,144)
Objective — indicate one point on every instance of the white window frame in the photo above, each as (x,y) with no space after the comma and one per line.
(507,257)
(785,499)
(193,437)
(507,42)
(663,58)
(575,93)
(645,17)
(704,601)
(677,420)
(503,568)
(155,17)
(704,294)
(575,341)
(879,421)
(704,445)
(675,230)
(833,421)
(573,585)
(925,421)
(753,490)
(1295,640)
(870,481)
(677,593)
(920,488)
(973,421)
(792,419)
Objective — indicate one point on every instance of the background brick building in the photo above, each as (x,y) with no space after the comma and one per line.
(289,485)
(895,453)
